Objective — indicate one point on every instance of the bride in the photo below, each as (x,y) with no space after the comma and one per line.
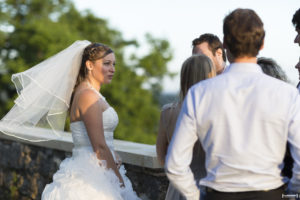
(73,80)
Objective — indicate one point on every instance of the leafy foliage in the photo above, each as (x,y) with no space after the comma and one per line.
(33,30)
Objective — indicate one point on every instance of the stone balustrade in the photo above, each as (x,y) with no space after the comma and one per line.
(26,167)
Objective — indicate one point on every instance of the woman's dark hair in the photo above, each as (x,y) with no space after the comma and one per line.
(271,68)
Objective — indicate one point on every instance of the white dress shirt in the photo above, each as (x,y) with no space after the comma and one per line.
(243,119)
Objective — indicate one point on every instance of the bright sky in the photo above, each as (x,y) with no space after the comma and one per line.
(181,21)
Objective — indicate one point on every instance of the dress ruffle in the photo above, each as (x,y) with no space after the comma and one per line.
(83,176)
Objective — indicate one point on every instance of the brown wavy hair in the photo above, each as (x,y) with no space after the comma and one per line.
(92,52)
(243,33)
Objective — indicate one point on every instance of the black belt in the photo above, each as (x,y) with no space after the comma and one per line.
(211,190)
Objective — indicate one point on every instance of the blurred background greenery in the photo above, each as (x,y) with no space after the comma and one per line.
(33,30)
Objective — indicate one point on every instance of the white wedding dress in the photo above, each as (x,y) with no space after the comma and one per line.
(83,176)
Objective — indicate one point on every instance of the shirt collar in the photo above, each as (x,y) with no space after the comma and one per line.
(243,67)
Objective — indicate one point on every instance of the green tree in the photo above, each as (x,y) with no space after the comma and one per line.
(33,30)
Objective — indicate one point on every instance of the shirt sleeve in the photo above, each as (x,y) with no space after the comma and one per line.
(180,151)
(294,140)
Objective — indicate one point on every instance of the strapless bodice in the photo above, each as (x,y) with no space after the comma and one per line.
(80,136)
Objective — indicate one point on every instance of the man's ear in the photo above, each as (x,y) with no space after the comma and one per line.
(219,52)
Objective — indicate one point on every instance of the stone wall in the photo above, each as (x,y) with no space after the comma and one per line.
(26,169)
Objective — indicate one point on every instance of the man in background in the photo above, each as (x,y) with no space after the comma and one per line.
(211,46)
(296,23)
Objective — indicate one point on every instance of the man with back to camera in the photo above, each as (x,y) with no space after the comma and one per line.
(244,136)
(211,46)
(296,23)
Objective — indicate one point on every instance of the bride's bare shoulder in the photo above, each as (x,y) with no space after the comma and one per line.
(87,95)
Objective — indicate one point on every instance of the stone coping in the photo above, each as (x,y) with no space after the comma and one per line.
(138,154)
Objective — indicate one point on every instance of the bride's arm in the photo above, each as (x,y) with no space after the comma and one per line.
(91,114)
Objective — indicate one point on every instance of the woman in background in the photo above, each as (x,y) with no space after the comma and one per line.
(196,68)
(271,68)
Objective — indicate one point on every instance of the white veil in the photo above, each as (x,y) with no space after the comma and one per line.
(44,95)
